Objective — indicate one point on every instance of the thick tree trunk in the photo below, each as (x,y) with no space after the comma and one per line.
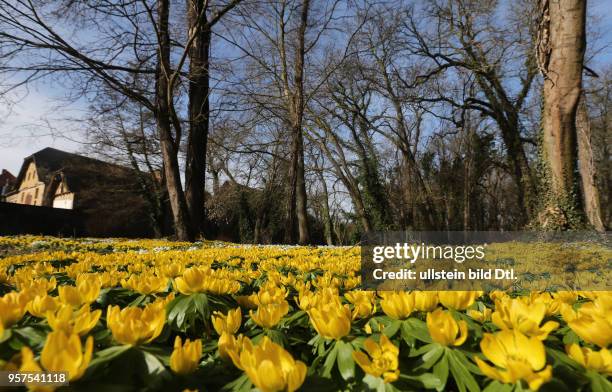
(169,149)
(562,90)
(199,111)
(586,167)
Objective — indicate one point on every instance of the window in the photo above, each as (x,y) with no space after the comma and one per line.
(35,195)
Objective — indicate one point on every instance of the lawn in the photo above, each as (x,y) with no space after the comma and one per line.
(159,315)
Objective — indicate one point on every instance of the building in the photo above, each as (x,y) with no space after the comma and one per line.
(109,196)
(6,182)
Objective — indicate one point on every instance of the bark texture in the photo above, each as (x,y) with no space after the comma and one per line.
(587,169)
(561,60)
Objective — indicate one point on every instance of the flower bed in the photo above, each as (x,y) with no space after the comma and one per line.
(157,315)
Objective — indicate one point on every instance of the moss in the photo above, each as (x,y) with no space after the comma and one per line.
(555,212)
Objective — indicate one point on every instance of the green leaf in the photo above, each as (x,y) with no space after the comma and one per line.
(110,353)
(562,358)
(440,370)
(346,364)
(241,384)
(416,328)
(496,386)
(153,365)
(277,337)
(598,382)
(138,301)
(34,336)
(374,383)
(103,357)
(570,337)
(330,360)
(177,307)
(461,374)
(6,335)
(428,380)
(432,356)
(392,328)
(469,365)
(200,302)
(423,349)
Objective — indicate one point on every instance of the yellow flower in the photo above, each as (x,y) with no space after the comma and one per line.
(227,344)
(267,316)
(517,358)
(69,295)
(444,329)
(425,301)
(331,320)
(458,300)
(185,358)
(221,286)
(171,270)
(514,313)
(132,325)
(64,352)
(86,291)
(28,363)
(200,280)
(381,359)
(270,367)
(69,321)
(397,304)
(88,286)
(560,298)
(364,303)
(307,299)
(192,280)
(145,283)
(592,322)
(227,324)
(599,361)
(12,308)
(481,317)
(38,286)
(270,294)
(41,304)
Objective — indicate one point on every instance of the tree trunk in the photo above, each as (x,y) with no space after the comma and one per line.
(199,112)
(290,225)
(519,165)
(562,90)
(169,148)
(300,183)
(586,167)
(327,221)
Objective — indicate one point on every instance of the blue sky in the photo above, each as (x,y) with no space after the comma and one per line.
(36,120)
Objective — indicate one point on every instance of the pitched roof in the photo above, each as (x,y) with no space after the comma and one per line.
(6,177)
(6,181)
(49,161)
